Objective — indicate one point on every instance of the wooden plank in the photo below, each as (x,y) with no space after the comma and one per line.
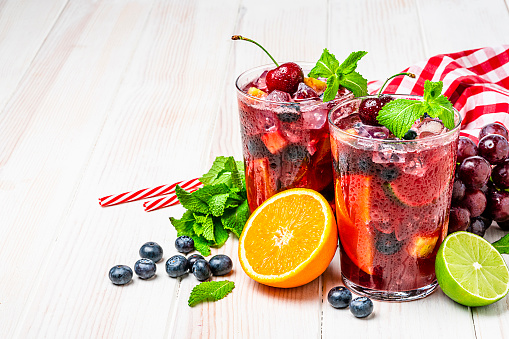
(388,30)
(158,126)
(49,129)
(24,25)
(454,25)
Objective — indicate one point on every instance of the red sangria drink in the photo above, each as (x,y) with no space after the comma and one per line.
(392,197)
(285,135)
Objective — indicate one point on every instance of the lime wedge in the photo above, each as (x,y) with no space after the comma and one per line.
(470,270)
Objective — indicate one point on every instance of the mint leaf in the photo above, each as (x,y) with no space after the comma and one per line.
(217,208)
(202,245)
(184,225)
(235,219)
(214,171)
(432,90)
(326,66)
(332,88)
(210,291)
(502,244)
(220,233)
(355,83)
(350,63)
(399,115)
(231,166)
(340,75)
(190,201)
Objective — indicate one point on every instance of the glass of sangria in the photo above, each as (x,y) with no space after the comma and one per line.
(392,201)
(285,137)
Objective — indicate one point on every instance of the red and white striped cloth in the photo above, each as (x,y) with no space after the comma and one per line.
(475,81)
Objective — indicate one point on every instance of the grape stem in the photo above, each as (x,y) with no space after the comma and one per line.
(411,75)
(240,37)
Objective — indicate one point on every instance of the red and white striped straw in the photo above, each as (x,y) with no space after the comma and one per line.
(146,193)
(167,201)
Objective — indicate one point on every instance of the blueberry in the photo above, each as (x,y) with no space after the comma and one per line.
(184,244)
(192,259)
(257,148)
(177,266)
(410,135)
(389,173)
(145,268)
(366,165)
(151,250)
(339,297)
(295,153)
(361,307)
(387,243)
(121,274)
(220,264)
(201,270)
(288,117)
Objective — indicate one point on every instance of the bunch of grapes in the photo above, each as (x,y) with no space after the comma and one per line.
(480,192)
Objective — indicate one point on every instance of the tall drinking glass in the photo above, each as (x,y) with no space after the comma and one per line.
(285,140)
(392,202)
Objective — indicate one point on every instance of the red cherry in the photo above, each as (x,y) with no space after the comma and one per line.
(369,108)
(285,78)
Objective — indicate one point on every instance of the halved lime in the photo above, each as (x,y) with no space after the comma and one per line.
(470,270)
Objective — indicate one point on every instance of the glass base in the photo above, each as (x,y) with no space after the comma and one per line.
(391,296)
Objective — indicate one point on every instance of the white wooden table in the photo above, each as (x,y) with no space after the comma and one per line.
(100,97)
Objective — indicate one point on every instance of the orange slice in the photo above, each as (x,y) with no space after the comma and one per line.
(289,240)
(357,238)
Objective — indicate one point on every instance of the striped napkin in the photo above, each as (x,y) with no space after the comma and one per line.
(475,81)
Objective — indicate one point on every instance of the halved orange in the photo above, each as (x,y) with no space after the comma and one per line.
(289,240)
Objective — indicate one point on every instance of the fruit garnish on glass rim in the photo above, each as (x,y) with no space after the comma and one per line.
(285,77)
(340,75)
(400,114)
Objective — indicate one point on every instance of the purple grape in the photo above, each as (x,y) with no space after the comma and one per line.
(458,190)
(474,201)
(459,219)
(500,175)
(498,205)
(493,148)
(493,128)
(479,225)
(466,148)
(474,172)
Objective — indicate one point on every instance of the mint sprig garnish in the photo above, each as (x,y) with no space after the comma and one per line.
(399,115)
(216,209)
(502,244)
(340,75)
(210,291)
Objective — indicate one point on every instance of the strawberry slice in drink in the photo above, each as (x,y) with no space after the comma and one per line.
(274,141)
(356,235)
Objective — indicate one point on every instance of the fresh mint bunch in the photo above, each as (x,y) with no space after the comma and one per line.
(502,244)
(210,291)
(216,209)
(399,115)
(340,75)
